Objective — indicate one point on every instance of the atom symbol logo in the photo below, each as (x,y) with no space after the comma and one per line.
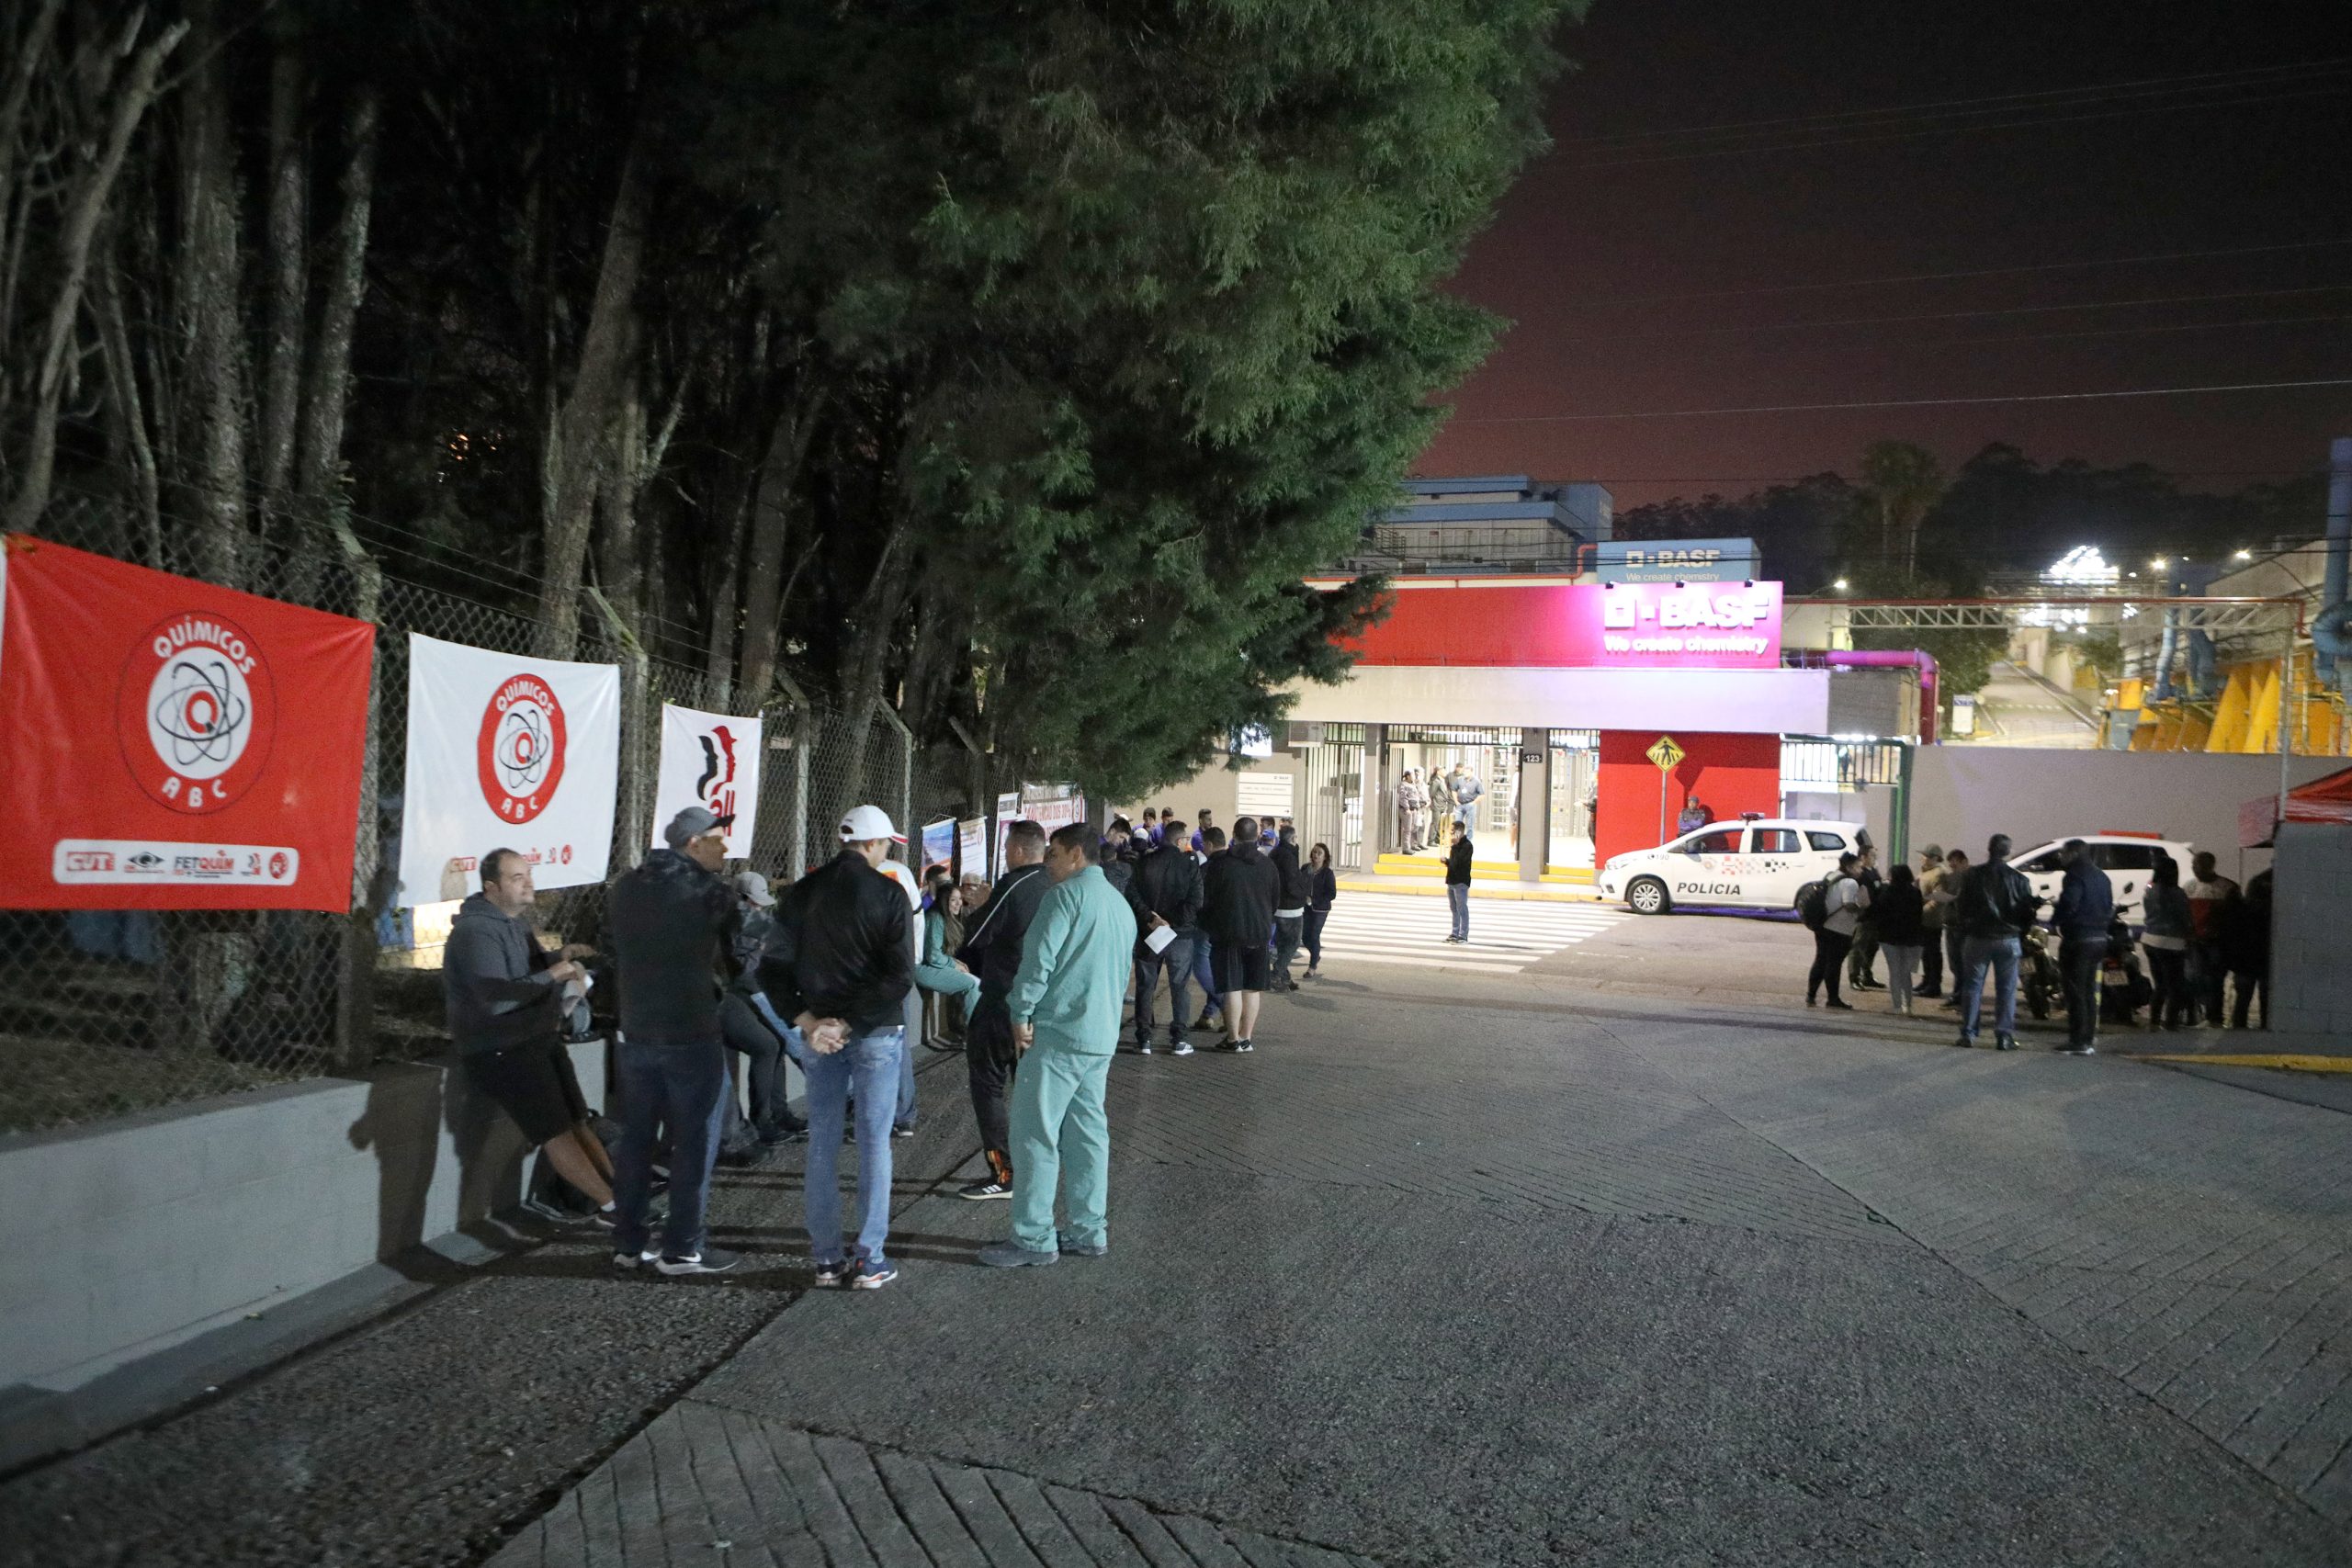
(200,717)
(522,751)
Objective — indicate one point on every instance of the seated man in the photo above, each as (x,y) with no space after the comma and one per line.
(507,999)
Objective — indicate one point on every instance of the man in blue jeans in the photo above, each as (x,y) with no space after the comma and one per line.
(1457,883)
(674,926)
(839,967)
(1995,907)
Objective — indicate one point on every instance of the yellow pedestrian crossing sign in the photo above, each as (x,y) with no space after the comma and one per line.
(1666,754)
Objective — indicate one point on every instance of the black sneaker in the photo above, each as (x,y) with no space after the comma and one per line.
(1839,1004)
(981,1192)
(1207,1020)
(1181,1048)
(903,1130)
(1246,1046)
(631,1260)
(2005,1043)
(781,1136)
(2084,1049)
(1143,1048)
(709,1260)
(1965,1044)
(828,1275)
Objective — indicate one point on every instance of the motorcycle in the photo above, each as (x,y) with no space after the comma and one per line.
(2038,975)
(2123,985)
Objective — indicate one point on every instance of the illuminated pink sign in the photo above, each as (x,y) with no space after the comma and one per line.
(1625,626)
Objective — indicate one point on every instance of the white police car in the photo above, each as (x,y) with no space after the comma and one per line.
(1755,863)
(2129,860)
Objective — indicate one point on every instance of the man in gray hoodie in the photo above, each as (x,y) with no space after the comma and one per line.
(506,1004)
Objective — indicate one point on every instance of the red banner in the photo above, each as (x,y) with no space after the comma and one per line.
(170,745)
(1618,626)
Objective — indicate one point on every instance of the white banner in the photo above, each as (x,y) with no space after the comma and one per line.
(709,759)
(509,752)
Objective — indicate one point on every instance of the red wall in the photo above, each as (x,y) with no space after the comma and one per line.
(1730,773)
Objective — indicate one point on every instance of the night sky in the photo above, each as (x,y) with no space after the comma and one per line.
(2115,156)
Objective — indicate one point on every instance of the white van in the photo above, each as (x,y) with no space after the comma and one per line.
(1762,863)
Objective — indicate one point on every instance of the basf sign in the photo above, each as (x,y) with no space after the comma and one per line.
(1675,560)
(1628,626)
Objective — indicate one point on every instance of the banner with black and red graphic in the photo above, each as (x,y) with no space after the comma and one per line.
(507,752)
(711,759)
(171,745)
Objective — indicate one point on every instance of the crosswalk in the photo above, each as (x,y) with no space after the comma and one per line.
(1506,935)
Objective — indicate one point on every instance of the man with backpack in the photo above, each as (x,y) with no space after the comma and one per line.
(1831,909)
(1996,905)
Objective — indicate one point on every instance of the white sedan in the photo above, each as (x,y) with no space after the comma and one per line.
(1755,864)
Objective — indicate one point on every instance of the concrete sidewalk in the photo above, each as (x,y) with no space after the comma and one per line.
(1451,1270)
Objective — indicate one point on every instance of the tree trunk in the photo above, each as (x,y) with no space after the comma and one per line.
(726,614)
(764,564)
(132,449)
(873,627)
(131,96)
(27,54)
(318,453)
(582,426)
(214,292)
(281,387)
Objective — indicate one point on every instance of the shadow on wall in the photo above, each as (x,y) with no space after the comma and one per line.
(422,1120)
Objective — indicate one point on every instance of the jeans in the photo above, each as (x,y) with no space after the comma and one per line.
(1459,896)
(1314,934)
(2079,961)
(1954,963)
(2207,968)
(1175,960)
(988,1061)
(1932,963)
(1061,1139)
(1829,949)
(1901,959)
(1864,954)
(868,1067)
(763,1050)
(2248,982)
(2168,973)
(2003,954)
(679,1086)
(1288,929)
(1203,975)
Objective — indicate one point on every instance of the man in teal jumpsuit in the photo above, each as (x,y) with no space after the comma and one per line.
(1066,1006)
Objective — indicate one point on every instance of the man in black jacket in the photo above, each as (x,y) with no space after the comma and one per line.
(1996,905)
(1166,892)
(673,925)
(1457,883)
(1240,890)
(837,967)
(1291,893)
(992,951)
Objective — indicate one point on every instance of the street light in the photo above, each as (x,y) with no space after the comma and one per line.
(2243,554)
(1840,585)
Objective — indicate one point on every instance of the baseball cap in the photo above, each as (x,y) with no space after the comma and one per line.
(1933,851)
(866,823)
(692,824)
(754,886)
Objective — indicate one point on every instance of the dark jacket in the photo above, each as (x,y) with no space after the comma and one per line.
(1898,914)
(1322,888)
(1168,884)
(1238,893)
(2086,901)
(750,946)
(1996,900)
(1291,887)
(494,978)
(2246,928)
(672,926)
(839,948)
(1457,863)
(992,945)
(1119,871)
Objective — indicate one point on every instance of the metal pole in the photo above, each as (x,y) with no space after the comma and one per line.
(2286,736)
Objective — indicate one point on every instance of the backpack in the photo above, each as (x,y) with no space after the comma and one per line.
(1815,906)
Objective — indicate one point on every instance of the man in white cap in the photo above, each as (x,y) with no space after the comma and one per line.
(838,968)
(673,924)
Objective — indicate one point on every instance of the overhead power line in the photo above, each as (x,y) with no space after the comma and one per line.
(1903,403)
(2257,74)
(1969,272)
(1959,315)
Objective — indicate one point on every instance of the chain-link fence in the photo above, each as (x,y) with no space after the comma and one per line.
(104,1013)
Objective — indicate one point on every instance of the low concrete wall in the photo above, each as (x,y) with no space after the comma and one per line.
(131,1236)
(1961,796)
(2311,962)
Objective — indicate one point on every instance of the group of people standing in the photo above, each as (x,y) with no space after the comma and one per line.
(1976,919)
(1450,795)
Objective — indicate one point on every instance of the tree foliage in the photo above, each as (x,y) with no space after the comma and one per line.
(1009,366)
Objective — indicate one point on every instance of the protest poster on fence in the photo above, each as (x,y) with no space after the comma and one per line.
(506,752)
(710,760)
(173,745)
(939,843)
